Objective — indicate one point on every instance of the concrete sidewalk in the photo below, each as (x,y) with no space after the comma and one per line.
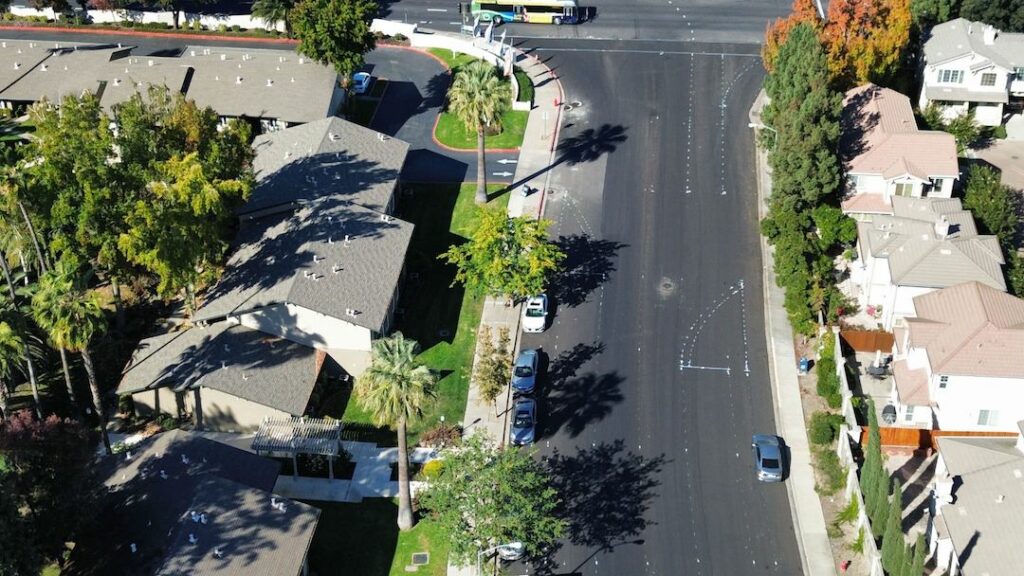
(536,158)
(808,518)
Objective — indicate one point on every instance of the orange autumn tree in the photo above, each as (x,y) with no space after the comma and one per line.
(865,39)
(778,31)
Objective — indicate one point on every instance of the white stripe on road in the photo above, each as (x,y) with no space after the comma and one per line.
(715,368)
(628,51)
(437,9)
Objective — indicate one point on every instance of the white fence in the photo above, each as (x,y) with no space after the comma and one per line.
(871,553)
(209,21)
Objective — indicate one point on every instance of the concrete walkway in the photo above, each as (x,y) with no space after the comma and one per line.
(536,157)
(808,518)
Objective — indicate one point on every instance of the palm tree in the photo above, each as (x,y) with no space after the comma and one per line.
(393,390)
(29,365)
(72,316)
(478,97)
(274,11)
(11,349)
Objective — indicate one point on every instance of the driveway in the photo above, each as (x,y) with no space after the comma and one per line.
(1008,156)
(417,84)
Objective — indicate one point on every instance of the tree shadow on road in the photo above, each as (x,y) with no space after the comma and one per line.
(589,145)
(573,402)
(586,266)
(605,492)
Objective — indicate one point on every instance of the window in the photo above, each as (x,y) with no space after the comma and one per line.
(988,417)
(988,79)
(943,381)
(951,76)
(904,188)
(909,416)
(1019,72)
(937,185)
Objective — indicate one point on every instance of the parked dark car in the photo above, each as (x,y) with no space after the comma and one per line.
(524,372)
(524,422)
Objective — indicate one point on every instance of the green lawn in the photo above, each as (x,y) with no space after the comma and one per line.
(453,133)
(363,539)
(441,317)
(525,86)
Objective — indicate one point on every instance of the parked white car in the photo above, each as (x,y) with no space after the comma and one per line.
(535,314)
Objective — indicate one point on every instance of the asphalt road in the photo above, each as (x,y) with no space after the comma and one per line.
(657,373)
(669,20)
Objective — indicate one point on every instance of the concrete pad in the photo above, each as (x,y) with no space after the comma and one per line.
(1008,156)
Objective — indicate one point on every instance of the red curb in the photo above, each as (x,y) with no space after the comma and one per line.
(150,33)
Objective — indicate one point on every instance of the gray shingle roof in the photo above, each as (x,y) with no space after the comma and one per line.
(67,71)
(919,256)
(330,257)
(230,358)
(151,487)
(245,533)
(274,83)
(18,57)
(961,36)
(986,519)
(325,157)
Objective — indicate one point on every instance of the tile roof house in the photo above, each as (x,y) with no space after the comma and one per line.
(978,520)
(959,362)
(325,157)
(925,245)
(885,155)
(230,377)
(325,276)
(178,503)
(277,89)
(971,66)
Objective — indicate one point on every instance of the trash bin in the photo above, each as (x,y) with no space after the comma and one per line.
(805,365)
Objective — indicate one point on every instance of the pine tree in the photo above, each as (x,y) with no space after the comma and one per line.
(872,456)
(916,566)
(893,545)
(878,512)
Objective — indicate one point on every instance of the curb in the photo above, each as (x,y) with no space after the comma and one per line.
(148,33)
(767,279)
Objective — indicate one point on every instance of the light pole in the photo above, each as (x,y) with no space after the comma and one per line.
(515,547)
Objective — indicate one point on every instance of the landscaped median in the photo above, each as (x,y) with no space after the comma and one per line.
(452,133)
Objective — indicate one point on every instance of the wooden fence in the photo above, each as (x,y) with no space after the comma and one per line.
(868,340)
(919,439)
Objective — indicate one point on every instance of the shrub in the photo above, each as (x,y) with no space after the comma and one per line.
(431,469)
(400,38)
(858,544)
(999,132)
(236,28)
(222,28)
(832,472)
(849,514)
(824,427)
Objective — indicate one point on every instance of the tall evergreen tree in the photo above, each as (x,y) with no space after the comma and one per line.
(893,544)
(916,566)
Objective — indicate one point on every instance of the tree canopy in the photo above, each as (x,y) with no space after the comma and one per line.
(865,39)
(335,32)
(505,256)
(478,97)
(485,496)
(803,12)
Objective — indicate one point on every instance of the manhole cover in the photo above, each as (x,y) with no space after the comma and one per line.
(420,558)
(666,287)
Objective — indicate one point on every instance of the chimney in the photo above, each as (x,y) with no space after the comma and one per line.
(989,35)
(942,227)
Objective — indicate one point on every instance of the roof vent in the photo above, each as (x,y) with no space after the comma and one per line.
(302,60)
(191,52)
(1000,498)
(223,57)
(385,218)
(317,258)
(293,79)
(280,58)
(946,252)
(238,79)
(346,239)
(3,44)
(17,65)
(149,62)
(381,136)
(245,376)
(192,538)
(245,56)
(306,273)
(351,312)
(335,268)
(287,154)
(223,365)
(117,81)
(184,459)
(218,553)
(217,77)
(334,137)
(163,474)
(269,82)
(133,547)
(44,67)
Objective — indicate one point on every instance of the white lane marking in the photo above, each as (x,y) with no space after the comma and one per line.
(631,51)
(437,9)
(726,369)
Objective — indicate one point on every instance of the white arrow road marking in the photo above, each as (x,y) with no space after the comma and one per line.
(505,174)
(508,161)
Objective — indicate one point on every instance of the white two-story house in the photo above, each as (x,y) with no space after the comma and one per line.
(925,245)
(959,364)
(971,66)
(885,155)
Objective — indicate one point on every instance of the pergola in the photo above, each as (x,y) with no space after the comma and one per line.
(299,435)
